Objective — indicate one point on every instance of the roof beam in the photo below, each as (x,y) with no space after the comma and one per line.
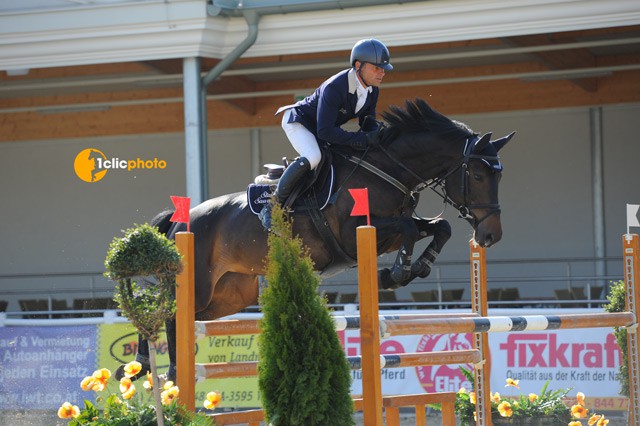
(560,59)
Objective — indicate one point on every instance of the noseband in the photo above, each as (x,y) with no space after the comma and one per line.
(437,185)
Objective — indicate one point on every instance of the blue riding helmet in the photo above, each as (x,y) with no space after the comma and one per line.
(372,51)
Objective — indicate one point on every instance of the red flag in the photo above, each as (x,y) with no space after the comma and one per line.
(361,205)
(181,214)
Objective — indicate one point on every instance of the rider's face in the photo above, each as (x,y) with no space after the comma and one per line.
(370,74)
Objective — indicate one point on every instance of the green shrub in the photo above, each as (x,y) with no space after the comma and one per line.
(303,376)
(617,303)
(142,256)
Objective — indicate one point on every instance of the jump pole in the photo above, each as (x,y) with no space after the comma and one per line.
(185,321)
(370,325)
(631,258)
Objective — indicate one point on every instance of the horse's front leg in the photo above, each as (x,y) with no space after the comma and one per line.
(400,272)
(441,231)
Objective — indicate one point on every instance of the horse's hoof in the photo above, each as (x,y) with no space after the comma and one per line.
(385,282)
(420,269)
(119,374)
(171,373)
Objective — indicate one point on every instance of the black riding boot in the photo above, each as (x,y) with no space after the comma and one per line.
(287,183)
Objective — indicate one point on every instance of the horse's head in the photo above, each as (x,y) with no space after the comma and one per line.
(473,187)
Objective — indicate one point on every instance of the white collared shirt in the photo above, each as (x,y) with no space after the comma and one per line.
(361,91)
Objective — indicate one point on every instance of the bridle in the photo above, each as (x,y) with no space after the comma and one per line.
(437,185)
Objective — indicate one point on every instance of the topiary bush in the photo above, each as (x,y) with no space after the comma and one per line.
(303,375)
(144,264)
(618,303)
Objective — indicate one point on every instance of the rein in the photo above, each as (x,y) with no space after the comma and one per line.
(437,185)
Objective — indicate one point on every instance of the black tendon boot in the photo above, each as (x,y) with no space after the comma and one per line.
(287,183)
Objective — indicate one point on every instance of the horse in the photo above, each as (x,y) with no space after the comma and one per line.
(420,148)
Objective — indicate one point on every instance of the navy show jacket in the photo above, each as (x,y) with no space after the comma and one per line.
(333,104)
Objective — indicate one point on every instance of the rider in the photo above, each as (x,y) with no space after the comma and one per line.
(317,118)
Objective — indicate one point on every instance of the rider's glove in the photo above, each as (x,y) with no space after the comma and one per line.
(375,137)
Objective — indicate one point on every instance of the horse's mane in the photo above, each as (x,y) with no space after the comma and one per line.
(418,116)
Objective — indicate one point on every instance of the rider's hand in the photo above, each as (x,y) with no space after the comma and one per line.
(374,137)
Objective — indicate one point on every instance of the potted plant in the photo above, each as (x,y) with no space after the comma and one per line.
(547,408)
(141,257)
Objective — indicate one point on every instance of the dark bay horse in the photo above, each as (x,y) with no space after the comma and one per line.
(421,148)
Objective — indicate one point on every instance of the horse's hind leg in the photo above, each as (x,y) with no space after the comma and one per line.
(142,356)
(232,293)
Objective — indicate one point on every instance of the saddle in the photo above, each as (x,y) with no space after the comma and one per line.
(314,194)
(318,186)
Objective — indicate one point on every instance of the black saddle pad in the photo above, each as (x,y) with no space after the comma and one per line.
(258,195)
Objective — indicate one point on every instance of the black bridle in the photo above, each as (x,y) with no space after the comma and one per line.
(437,185)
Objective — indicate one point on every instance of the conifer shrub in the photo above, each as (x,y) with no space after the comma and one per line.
(617,303)
(303,375)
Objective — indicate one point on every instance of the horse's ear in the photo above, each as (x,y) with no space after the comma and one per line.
(499,143)
(482,143)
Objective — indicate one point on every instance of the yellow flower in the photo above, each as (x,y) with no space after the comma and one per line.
(495,398)
(213,399)
(580,398)
(169,394)
(127,388)
(472,397)
(579,412)
(505,409)
(148,384)
(462,390)
(593,419)
(100,377)
(475,417)
(574,423)
(533,397)
(511,382)
(68,411)
(603,422)
(132,368)
(87,383)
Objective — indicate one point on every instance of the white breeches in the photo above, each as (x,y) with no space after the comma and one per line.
(303,141)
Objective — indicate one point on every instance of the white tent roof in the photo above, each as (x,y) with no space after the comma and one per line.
(53,33)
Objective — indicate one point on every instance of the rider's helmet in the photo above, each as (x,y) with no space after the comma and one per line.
(372,51)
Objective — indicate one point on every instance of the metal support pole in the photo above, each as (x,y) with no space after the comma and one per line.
(256,157)
(195,144)
(595,116)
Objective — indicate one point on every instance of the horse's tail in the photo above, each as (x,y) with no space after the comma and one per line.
(162,222)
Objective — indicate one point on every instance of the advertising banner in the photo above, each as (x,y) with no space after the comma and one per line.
(43,366)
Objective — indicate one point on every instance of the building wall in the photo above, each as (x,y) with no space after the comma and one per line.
(54,223)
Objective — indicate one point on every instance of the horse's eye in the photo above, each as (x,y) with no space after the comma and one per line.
(477,177)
